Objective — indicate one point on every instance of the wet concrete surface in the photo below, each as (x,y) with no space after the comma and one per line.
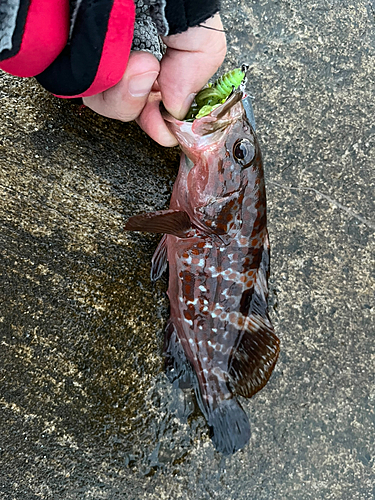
(85,409)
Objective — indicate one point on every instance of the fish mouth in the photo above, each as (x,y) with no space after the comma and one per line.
(225,108)
(209,128)
(217,114)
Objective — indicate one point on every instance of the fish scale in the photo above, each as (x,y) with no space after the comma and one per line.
(199,319)
(219,338)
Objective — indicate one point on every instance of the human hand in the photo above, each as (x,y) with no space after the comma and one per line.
(190,61)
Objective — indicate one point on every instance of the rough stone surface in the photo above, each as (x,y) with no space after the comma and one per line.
(85,409)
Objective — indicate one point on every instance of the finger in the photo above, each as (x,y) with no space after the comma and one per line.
(191,59)
(126,100)
(151,122)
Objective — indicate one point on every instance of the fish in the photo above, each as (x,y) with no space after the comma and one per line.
(219,339)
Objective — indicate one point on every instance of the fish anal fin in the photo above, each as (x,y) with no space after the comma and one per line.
(174,222)
(159,260)
(254,358)
(177,367)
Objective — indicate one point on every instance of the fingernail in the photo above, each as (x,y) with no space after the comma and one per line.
(187,103)
(189,100)
(141,85)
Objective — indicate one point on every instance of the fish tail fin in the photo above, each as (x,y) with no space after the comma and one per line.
(229,426)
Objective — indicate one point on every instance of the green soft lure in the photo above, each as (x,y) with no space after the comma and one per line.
(216,93)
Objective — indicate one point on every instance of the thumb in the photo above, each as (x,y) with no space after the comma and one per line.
(127,98)
(191,59)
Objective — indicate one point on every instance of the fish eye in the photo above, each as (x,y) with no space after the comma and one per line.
(243,152)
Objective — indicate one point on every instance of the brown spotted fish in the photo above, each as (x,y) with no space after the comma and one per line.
(219,337)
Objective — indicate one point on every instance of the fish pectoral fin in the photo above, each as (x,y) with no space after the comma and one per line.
(159,260)
(254,358)
(174,222)
(177,367)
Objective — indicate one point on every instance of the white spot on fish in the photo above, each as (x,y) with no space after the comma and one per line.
(194,302)
(226,293)
(213,271)
(202,288)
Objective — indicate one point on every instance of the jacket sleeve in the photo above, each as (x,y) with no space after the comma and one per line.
(184,14)
(167,17)
(74,48)
(77,48)
(32,34)
(97,52)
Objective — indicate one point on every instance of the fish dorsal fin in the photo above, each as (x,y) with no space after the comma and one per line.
(254,357)
(174,222)
(159,260)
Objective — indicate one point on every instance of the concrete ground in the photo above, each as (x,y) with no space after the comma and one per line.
(85,409)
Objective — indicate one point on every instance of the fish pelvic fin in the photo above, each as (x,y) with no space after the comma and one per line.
(230,427)
(159,260)
(254,357)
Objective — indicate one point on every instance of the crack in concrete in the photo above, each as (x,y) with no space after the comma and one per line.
(368,222)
